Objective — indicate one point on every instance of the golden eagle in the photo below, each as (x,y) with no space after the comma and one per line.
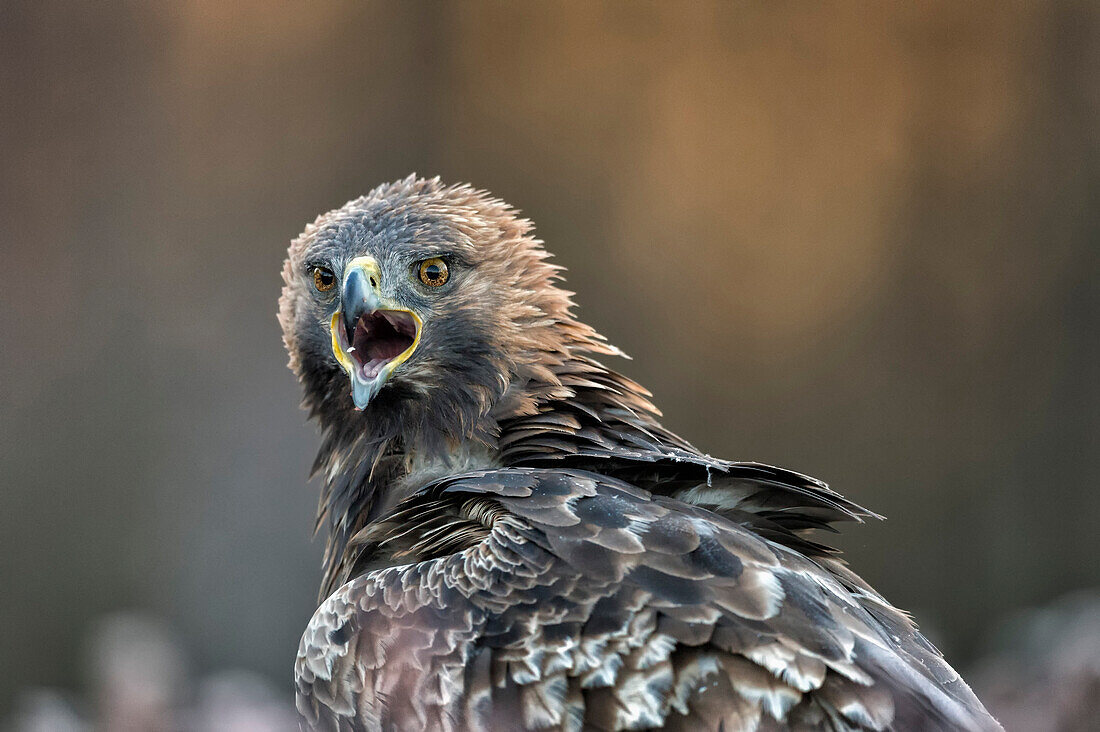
(513,539)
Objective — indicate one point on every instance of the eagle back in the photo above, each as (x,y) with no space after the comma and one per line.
(566,599)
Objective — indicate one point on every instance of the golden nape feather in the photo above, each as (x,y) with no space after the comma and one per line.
(513,541)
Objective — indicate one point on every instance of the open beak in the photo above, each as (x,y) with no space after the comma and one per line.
(371,335)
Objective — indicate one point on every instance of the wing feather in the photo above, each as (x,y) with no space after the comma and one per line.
(581,601)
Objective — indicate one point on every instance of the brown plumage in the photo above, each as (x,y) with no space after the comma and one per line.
(515,542)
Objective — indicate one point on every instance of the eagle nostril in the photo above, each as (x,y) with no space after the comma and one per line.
(373,282)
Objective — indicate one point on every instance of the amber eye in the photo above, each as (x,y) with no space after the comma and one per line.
(433,272)
(323,279)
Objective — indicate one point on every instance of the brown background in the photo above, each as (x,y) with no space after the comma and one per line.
(857,240)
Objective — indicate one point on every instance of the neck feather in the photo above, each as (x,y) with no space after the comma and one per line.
(562,407)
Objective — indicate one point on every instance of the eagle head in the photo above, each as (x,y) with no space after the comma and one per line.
(423,305)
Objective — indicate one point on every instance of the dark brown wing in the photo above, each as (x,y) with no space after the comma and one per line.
(576,601)
(607,425)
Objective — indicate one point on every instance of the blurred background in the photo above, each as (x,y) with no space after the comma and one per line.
(856,240)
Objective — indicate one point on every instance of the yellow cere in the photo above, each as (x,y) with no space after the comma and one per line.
(366,264)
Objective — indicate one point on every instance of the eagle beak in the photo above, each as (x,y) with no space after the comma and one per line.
(371,334)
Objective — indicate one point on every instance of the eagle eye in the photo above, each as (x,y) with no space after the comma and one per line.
(433,272)
(323,279)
